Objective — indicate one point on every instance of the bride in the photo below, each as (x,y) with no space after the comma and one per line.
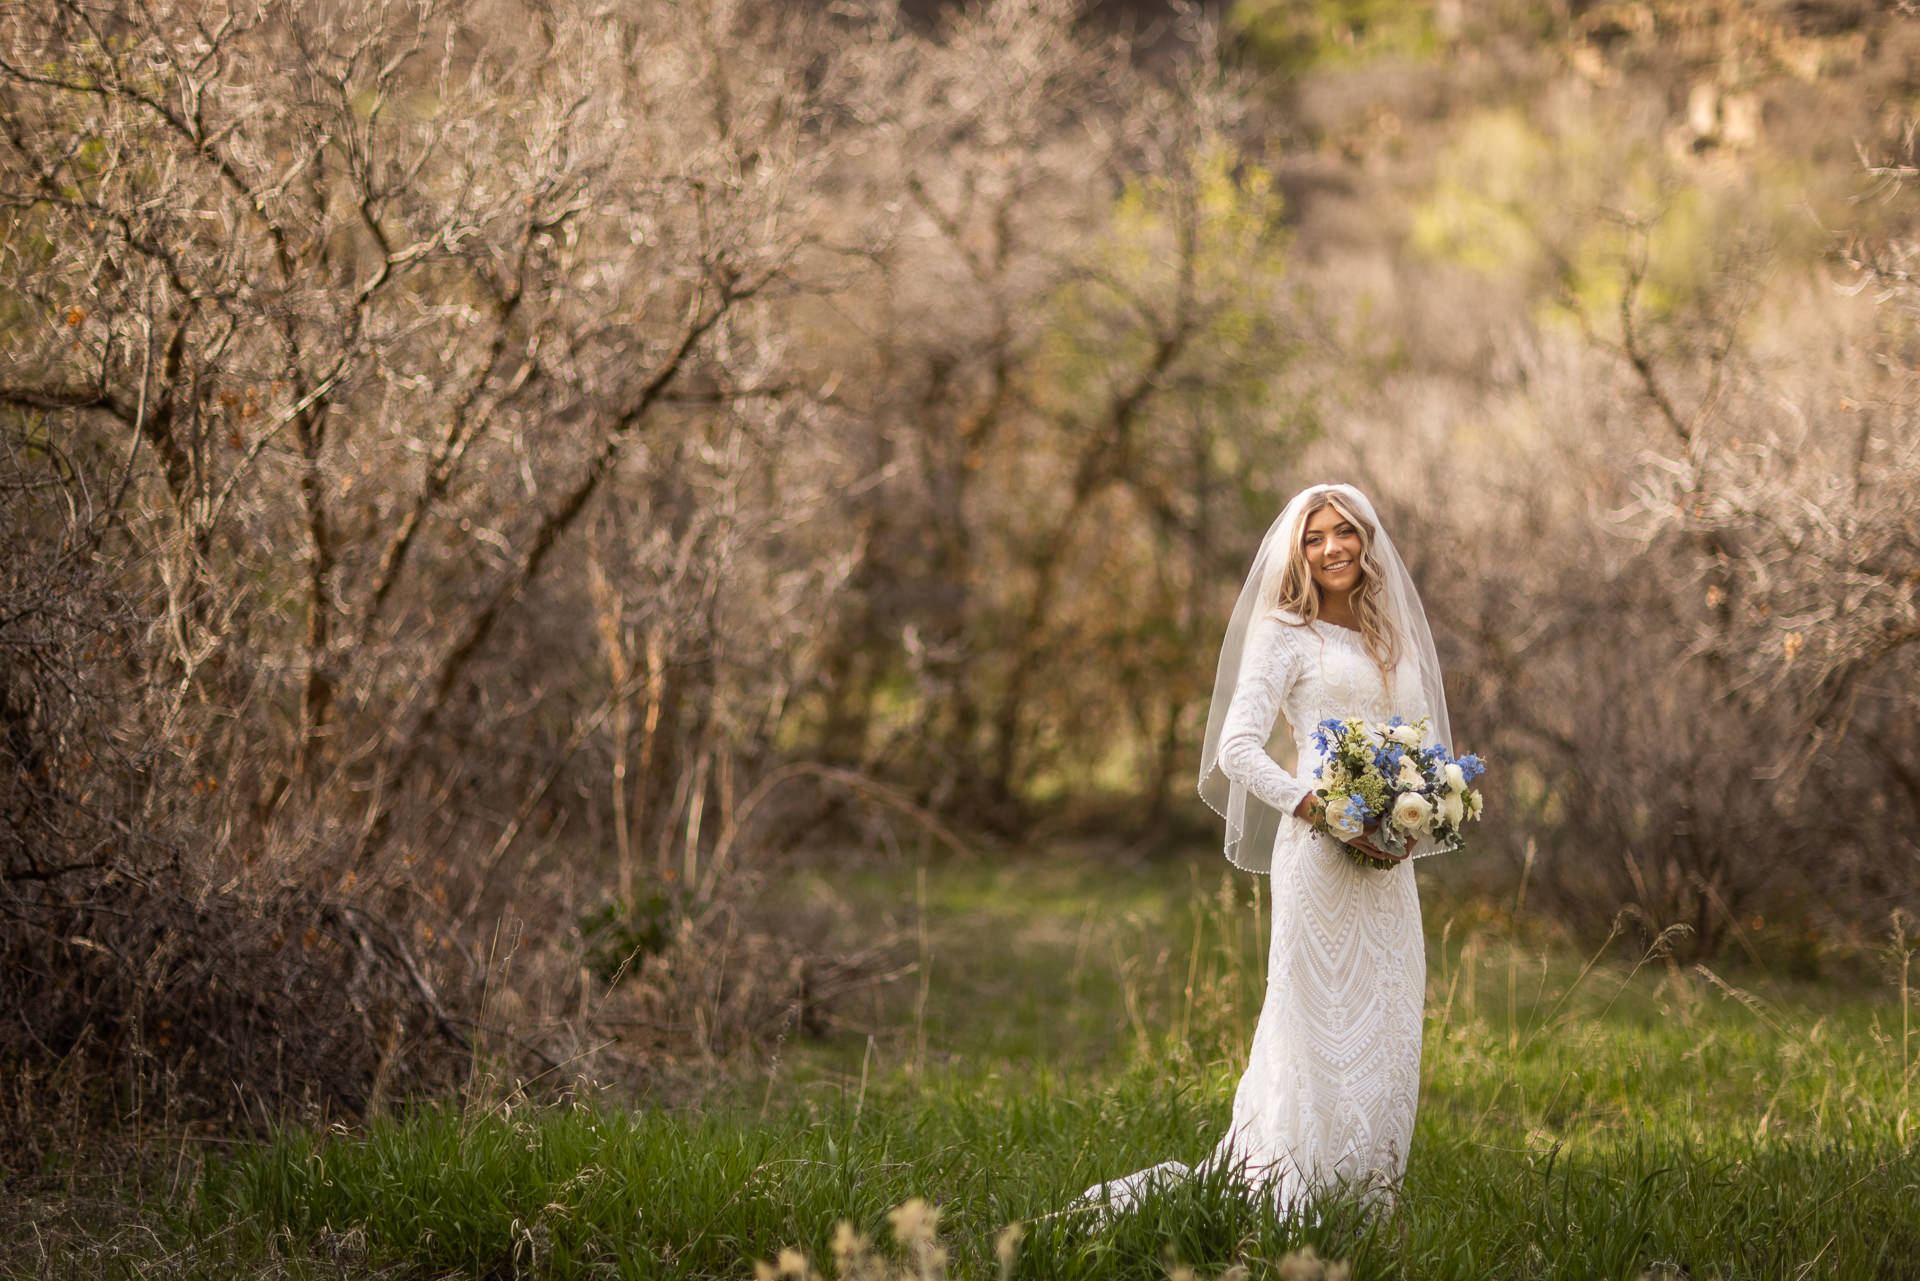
(1327,625)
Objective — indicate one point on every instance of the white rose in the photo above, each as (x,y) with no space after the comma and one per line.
(1473,803)
(1456,778)
(1412,812)
(1452,808)
(1406,735)
(1410,779)
(1343,825)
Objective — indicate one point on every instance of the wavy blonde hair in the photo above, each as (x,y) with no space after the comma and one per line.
(1294,591)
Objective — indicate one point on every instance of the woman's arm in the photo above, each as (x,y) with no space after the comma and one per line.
(1271,666)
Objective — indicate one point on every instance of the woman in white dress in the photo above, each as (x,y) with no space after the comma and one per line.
(1328,625)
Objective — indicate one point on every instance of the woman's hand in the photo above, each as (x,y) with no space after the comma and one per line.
(1367,843)
(1313,810)
(1366,846)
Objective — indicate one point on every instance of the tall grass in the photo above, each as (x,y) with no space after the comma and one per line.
(1581,1117)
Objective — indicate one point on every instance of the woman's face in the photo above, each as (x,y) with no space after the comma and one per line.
(1332,546)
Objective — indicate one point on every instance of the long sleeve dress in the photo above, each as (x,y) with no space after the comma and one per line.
(1334,1074)
(1333,1077)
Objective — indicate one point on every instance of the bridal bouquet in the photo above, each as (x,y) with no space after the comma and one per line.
(1386,774)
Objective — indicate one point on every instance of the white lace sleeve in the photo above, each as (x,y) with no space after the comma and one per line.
(1270,670)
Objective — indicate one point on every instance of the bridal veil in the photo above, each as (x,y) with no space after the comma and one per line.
(1252,824)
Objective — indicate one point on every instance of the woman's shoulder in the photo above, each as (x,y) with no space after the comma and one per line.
(1278,631)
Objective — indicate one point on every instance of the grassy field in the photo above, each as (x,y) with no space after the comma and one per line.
(1593,1116)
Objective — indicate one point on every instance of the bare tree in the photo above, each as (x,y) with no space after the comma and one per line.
(516,458)
(1679,595)
(1076,304)
(331,327)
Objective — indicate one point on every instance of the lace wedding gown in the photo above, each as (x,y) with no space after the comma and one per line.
(1329,1092)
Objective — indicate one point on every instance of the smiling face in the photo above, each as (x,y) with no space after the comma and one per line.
(1331,544)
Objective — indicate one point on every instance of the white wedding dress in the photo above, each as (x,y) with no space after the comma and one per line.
(1329,1092)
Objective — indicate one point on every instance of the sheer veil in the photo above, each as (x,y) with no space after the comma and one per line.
(1252,824)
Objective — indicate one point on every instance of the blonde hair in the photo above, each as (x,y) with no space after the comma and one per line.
(1294,591)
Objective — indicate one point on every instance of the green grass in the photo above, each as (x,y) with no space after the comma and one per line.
(642,1195)
(1580,1118)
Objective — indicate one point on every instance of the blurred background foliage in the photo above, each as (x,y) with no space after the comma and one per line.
(498,480)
